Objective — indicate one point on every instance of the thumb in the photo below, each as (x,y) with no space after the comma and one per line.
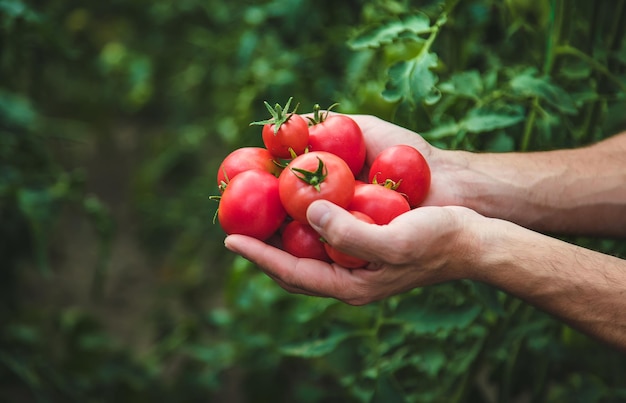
(319,214)
(343,230)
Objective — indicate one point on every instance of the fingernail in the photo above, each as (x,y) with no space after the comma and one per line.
(318,214)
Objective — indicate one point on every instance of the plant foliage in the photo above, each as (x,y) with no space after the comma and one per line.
(114,116)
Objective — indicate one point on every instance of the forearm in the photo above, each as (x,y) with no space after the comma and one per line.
(579,191)
(581,287)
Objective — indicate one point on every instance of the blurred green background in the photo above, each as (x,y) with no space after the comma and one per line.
(114,282)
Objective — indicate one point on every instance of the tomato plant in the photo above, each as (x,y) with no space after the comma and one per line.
(250,205)
(340,135)
(405,170)
(378,202)
(285,133)
(313,176)
(244,159)
(303,241)
(342,258)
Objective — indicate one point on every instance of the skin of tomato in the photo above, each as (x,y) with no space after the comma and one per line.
(343,259)
(407,167)
(381,204)
(301,240)
(296,195)
(342,136)
(294,134)
(244,159)
(251,205)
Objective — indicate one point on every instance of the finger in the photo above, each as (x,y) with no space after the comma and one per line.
(347,233)
(303,276)
(380,134)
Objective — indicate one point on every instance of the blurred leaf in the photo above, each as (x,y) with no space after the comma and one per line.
(21,369)
(500,143)
(466,83)
(13,9)
(387,390)
(384,33)
(413,81)
(424,319)
(430,361)
(318,347)
(527,85)
(490,296)
(442,130)
(486,119)
(16,111)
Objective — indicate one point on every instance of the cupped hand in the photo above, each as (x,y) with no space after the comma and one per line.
(444,165)
(425,246)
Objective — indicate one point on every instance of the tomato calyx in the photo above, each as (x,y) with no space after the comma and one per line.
(319,117)
(279,114)
(313,178)
(216,198)
(388,183)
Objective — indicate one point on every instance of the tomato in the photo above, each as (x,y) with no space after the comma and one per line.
(244,159)
(378,202)
(250,205)
(407,171)
(285,132)
(301,240)
(340,135)
(343,259)
(312,176)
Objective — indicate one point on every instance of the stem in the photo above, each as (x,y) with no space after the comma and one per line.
(556,19)
(593,63)
(595,110)
(554,36)
(528,127)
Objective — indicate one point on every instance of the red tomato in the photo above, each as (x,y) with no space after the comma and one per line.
(407,170)
(301,240)
(292,135)
(378,202)
(313,176)
(244,159)
(340,135)
(343,259)
(250,205)
(285,133)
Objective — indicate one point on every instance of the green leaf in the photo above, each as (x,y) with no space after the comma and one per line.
(501,142)
(317,347)
(387,390)
(425,320)
(527,85)
(385,33)
(444,130)
(466,84)
(413,80)
(16,110)
(486,119)
(489,296)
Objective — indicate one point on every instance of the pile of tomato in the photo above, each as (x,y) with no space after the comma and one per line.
(265,191)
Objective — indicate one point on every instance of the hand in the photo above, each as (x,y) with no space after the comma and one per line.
(418,248)
(424,246)
(380,134)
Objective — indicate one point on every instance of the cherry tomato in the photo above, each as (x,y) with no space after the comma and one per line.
(244,159)
(406,170)
(285,133)
(340,135)
(301,240)
(250,205)
(343,259)
(292,135)
(378,202)
(313,176)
